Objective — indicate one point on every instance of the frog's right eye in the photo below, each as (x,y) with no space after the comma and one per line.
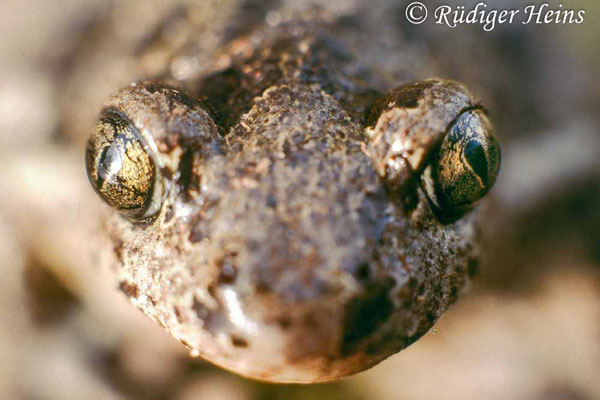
(433,132)
(465,166)
(121,168)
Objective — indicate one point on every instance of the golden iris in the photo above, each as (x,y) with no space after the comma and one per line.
(121,169)
(466,165)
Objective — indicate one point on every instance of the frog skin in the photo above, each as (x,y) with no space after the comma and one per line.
(282,219)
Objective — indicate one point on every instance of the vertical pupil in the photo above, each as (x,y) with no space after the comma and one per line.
(475,156)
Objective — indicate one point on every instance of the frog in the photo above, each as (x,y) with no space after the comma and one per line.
(282,218)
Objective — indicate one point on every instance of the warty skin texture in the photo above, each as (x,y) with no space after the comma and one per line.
(281,251)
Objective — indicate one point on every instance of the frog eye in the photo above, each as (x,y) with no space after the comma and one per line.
(465,166)
(121,168)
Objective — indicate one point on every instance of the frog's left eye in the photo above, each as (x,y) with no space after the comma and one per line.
(121,168)
(465,167)
(134,157)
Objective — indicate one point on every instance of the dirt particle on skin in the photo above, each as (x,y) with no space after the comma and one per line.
(238,341)
(284,322)
(169,214)
(196,235)
(227,274)
(131,290)
(178,314)
(118,249)
(201,310)
(212,290)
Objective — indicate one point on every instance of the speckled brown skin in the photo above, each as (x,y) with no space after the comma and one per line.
(280,252)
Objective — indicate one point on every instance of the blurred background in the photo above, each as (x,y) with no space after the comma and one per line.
(529,328)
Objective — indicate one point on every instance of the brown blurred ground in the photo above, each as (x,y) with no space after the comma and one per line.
(528,329)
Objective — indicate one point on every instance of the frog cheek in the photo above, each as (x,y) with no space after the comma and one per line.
(122,170)
(465,166)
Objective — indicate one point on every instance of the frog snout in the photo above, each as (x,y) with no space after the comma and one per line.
(293,260)
(298,230)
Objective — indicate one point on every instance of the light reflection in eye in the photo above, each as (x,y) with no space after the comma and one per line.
(111,164)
